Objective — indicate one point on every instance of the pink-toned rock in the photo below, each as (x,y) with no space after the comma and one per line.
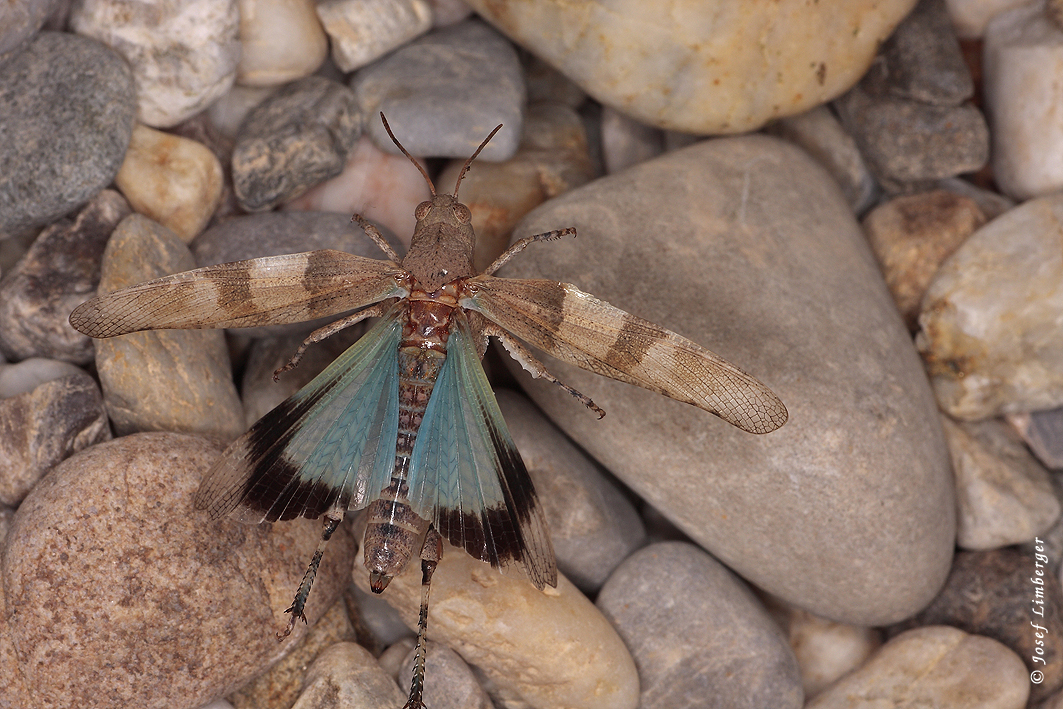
(383,188)
(119,593)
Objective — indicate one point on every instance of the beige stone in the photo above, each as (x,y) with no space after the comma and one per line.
(346,675)
(912,235)
(166,380)
(548,648)
(935,666)
(722,66)
(174,181)
(364,30)
(826,650)
(281,40)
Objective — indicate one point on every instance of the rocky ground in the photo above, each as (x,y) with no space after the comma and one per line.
(856,202)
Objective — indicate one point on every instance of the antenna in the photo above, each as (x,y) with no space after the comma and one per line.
(417,164)
(468,163)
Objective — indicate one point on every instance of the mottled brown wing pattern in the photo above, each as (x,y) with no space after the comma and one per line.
(576,327)
(263,291)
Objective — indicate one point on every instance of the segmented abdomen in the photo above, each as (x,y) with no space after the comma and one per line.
(394,531)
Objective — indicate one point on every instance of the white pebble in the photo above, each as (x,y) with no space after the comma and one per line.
(183,54)
(1023,68)
(363,30)
(970,17)
(30,373)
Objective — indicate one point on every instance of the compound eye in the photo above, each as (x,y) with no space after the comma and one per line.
(462,213)
(422,210)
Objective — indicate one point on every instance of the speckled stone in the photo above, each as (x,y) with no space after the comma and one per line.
(111,574)
(13,691)
(183,54)
(282,684)
(683,615)
(701,84)
(67,105)
(296,138)
(905,141)
(19,22)
(166,380)
(747,247)
(60,271)
(923,59)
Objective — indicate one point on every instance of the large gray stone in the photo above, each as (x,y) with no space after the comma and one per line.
(748,248)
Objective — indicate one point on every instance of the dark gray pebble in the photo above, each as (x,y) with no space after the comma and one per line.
(44,426)
(293,140)
(699,637)
(59,272)
(923,58)
(911,142)
(19,22)
(66,115)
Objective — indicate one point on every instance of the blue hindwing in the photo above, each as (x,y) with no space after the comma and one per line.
(466,475)
(328,447)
